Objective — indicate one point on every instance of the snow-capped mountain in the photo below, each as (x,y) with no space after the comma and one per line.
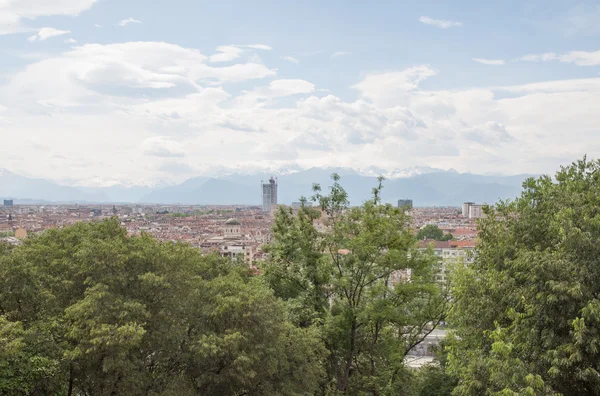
(425,185)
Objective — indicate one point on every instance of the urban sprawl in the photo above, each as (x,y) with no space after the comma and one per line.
(239,232)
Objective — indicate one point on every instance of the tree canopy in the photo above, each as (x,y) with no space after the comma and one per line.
(527,311)
(345,295)
(432,231)
(87,310)
(355,275)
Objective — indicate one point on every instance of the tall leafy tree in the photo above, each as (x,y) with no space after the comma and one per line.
(527,311)
(88,310)
(355,274)
(432,231)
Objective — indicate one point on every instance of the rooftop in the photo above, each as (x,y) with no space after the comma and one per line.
(233,221)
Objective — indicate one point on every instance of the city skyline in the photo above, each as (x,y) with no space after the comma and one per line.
(100,91)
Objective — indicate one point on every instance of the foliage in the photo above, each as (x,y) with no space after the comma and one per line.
(339,269)
(527,311)
(176,215)
(87,310)
(434,379)
(432,231)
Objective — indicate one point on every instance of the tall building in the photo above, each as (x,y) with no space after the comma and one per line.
(8,202)
(269,195)
(405,203)
(465,208)
(472,210)
(476,212)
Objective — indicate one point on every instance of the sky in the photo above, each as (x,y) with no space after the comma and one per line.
(98,92)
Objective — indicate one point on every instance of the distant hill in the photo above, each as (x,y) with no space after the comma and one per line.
(25,188)
(202,190)
(431,188)
(442,188)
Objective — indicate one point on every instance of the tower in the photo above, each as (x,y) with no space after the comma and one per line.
(273,183)
(269,195)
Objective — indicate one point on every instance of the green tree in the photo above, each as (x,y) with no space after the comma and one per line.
(432,231)
(88,310)
(340,270)
(527,311)
(434,379)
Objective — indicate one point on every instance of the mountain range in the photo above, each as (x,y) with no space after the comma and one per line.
(425,186)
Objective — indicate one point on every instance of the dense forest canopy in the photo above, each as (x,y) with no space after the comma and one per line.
(86,310)
(527,311)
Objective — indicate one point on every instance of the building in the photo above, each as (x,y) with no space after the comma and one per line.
(472,210)
(269,195)
(405,203)
(8,202)
(96,212)
(465,208)
(231,242)
(476,212)
(449,253)
(235,251)
(232,229)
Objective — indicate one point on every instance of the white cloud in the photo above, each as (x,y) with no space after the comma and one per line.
(275,89)
(443,24)
(176,167)
(338,54)
(388,86)
(159,110)
(548,56)
(80,76)
(98,26)
(580,58)
(488,133)
(129,20)
(162,146)
(263,47)
(492,62)
(46,33)
(14,12)
(70,41)
(227,53)
(290,59)
(559,86)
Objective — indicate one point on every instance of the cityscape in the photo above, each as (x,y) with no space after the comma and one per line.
(316,198)
(231,231)
(239,232)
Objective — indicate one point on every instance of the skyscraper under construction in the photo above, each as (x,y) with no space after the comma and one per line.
(269,195)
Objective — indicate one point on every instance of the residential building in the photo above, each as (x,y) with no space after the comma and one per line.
(450,253)
(465,208)
(472,210)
